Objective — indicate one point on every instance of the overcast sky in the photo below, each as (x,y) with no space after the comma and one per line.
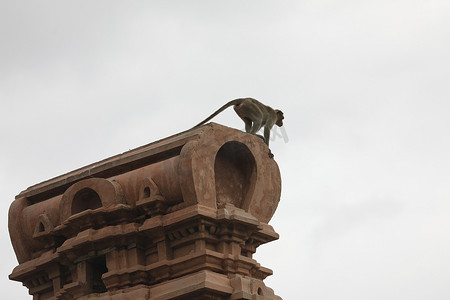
(364,85)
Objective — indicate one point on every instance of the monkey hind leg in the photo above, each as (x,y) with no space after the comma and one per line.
(256,126)
(248,125)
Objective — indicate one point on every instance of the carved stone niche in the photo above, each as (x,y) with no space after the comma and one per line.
(179,218)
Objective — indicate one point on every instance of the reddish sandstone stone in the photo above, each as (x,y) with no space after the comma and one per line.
(176,219)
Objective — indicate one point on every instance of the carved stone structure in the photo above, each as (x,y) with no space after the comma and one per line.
(179,218)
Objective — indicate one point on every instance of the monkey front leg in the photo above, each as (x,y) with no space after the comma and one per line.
(267,135)
(261,137)
(267,139)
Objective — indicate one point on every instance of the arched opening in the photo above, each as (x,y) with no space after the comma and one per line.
(147,192)
(41,227)
(235,174)
(85,199)
(260,292)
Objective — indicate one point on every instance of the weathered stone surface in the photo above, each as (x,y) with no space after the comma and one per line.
(179,218)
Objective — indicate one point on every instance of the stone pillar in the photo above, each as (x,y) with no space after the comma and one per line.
(179,218)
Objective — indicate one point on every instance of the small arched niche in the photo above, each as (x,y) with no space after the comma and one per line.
(90,194)
(43,226)
(235,174)
(85,199)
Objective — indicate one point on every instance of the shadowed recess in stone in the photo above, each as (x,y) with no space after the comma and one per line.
(85,199)
(235,173)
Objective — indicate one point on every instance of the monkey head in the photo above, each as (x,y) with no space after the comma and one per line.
(280,118)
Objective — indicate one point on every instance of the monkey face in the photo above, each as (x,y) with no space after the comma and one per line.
(280,117)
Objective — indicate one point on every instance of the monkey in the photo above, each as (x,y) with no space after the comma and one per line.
(254,114)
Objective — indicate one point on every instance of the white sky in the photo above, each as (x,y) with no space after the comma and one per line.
(364,85)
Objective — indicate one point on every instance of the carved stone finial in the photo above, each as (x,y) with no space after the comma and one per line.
(178,218)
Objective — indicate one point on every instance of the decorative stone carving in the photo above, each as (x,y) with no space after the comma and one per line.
(150,198)
(176,219)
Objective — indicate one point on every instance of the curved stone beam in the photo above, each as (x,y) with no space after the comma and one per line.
(200,177)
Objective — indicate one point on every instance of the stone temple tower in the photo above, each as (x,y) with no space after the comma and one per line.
(179,218)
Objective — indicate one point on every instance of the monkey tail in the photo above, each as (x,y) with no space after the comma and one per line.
(225,106)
